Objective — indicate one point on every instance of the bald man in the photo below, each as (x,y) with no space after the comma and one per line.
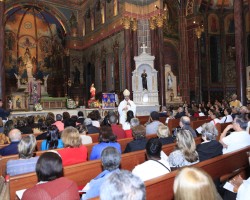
(15,137)
(185,124)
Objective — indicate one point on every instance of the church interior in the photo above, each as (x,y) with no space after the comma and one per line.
(72,44)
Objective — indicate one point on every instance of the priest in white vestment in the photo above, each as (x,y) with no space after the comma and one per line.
(125,106)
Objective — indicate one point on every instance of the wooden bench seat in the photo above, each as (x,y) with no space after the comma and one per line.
(198,123)
(161,188)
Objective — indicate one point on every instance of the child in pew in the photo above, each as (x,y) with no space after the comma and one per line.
(53,140)
(26,162)
(194,184)
(52,184)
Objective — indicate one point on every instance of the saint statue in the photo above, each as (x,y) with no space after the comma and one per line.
(144,80)
(170,82)
(92,91)
(27,56)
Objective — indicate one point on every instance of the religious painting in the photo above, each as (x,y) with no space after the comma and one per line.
(108,100)
(229,24)
(33,46)
(213,24)
(18,101)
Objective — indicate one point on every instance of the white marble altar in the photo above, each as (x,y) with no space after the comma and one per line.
(146,100)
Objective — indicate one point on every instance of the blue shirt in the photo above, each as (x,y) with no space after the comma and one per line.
(98,148)
(95,184)
(10,149)
(21,166)
(45,145)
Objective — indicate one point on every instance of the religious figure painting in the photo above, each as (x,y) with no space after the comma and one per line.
(229,24)
(170,82)
(213,24)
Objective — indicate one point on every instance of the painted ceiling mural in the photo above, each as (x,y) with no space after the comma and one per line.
(32,36)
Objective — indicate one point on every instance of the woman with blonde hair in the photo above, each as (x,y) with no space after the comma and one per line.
(194,184)
(26,162)
(185,151)
(164,135)
(74,152)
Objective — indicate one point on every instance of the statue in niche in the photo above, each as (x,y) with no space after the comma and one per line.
(92,91)
(76,75)
(170,82)
(144,80)
(27,56)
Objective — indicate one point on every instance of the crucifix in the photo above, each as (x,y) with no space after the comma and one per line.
(144,47)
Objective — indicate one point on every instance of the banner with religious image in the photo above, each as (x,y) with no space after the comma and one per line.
(108,100)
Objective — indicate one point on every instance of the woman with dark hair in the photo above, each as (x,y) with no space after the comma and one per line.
(106,139)
(66,116)
(53,140)
(52,184)
(127,126)
(95,117)
(8,126)
(22,126)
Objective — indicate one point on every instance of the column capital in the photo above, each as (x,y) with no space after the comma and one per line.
(134,25)
(126,22)
(159,21)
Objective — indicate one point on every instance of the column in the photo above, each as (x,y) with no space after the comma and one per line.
(127,35)
(183,60)
(161,72)
(239,47)
(135,41)
(2,71)
(152,33)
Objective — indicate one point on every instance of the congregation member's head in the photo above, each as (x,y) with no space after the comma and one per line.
(209,132)
(69,122)
(52,137)
(80,114)
(138,132)
(194,184)
(71,137)
(153,149)
(58,117)
(186,144)
(134,122)
(49,167)
(15,135)
(240,123)
(130,115)
(65,115)
(106,134)
(123,185)
(50,115)
(8,126)
(26,147)
(184,121)
(154,116)
(110,159)
(113,119)
(88,122)
(163,131)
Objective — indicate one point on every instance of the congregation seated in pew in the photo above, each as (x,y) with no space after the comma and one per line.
(90,128)
(156,164)
(73,152)
(139,142)
(210,147)
(185,152)
(164,135)
(86,139)
(51,183)
(106,139)
(15,137)
(110,158)
(26,162)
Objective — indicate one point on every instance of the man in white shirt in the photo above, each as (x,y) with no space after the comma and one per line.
(155,166)
(237,139)
(125,106)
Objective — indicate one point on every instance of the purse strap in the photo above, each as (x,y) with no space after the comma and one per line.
(162,164)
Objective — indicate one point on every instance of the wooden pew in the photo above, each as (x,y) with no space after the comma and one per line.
(161,188)
(198,123)
(94,136)
(173,123)
(163,120)
(82,173)
(143,119)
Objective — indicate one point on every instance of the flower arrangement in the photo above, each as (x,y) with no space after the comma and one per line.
(38,107)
